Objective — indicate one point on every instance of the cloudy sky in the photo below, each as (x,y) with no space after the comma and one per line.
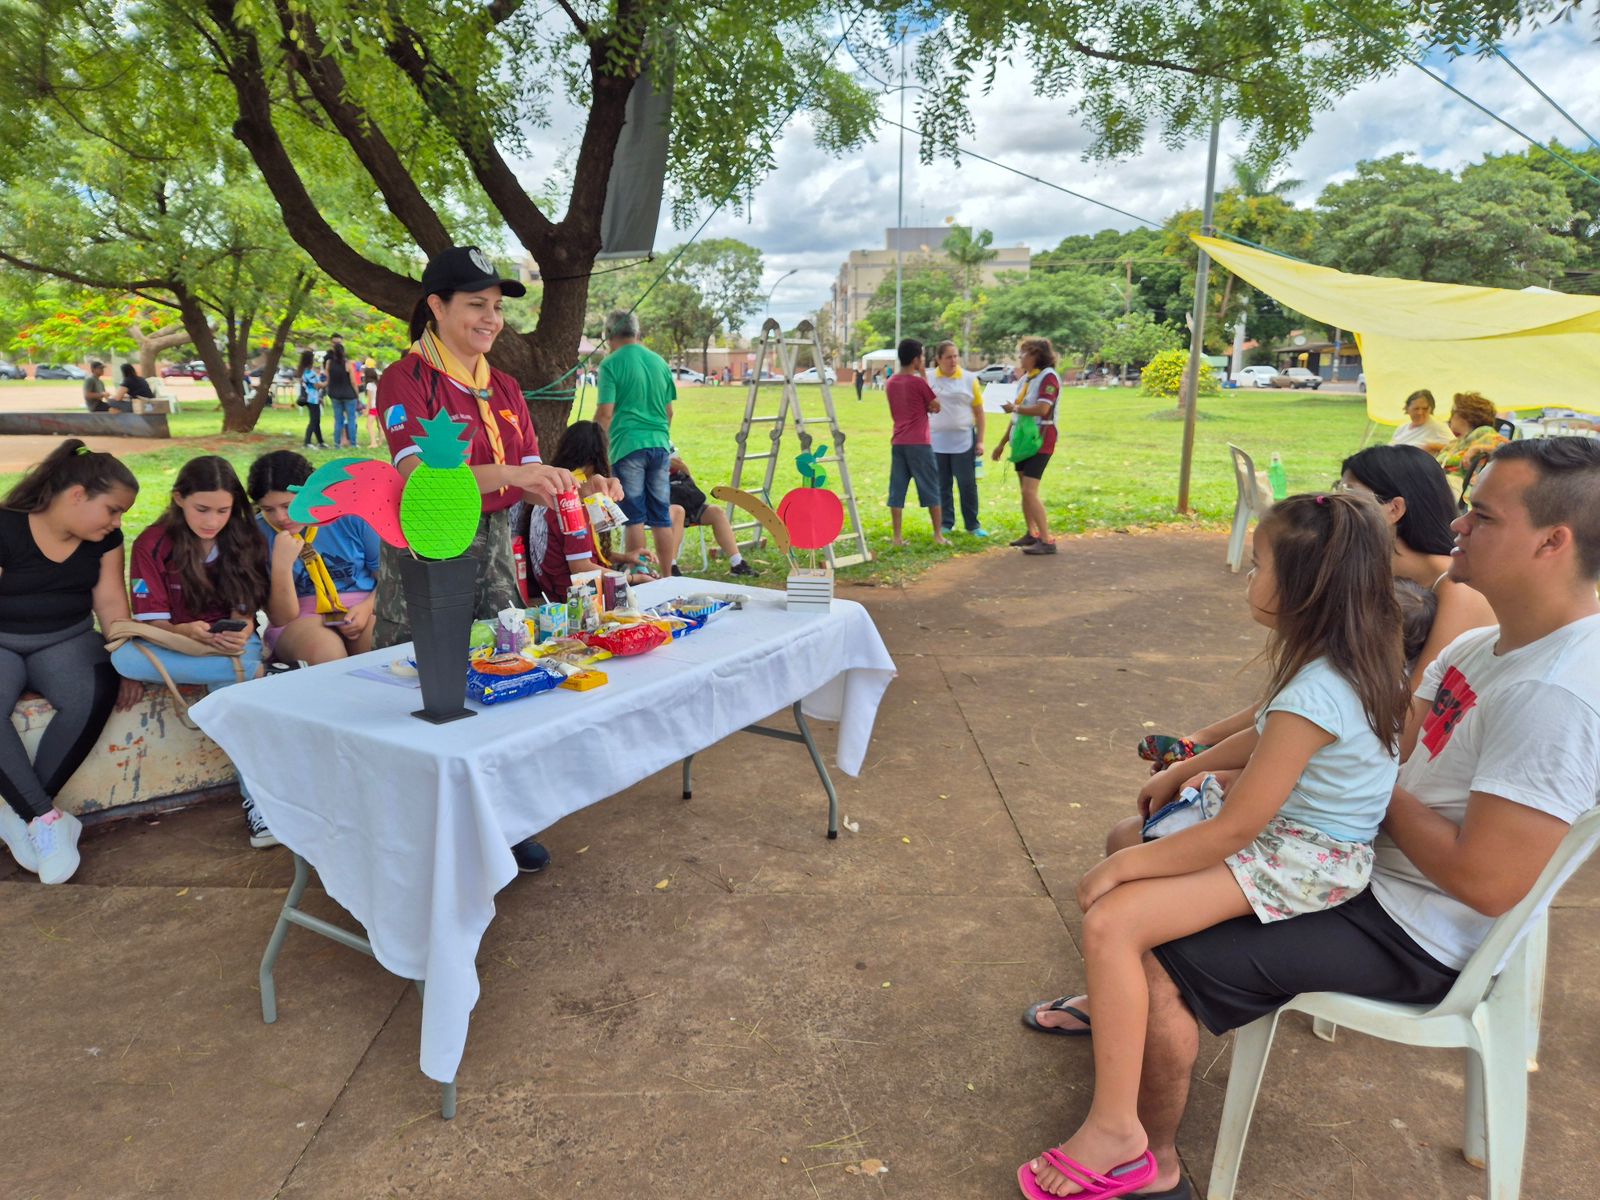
(814,209)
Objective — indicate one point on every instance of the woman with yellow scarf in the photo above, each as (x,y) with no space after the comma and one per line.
(447,370)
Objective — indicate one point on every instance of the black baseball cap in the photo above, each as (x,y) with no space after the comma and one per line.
(465,269)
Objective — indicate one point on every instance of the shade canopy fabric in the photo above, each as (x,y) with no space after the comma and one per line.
(1531,349)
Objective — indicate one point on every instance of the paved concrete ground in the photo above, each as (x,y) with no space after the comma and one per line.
(786,1007)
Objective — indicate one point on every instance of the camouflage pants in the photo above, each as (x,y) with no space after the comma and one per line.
(497,581)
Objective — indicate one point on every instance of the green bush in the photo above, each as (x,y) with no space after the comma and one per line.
(1164,375)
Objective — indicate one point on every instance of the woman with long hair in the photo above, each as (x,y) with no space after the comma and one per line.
(200,571)
(342,391)
(60,571)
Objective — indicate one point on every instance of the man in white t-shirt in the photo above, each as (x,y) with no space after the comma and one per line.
(1504,753)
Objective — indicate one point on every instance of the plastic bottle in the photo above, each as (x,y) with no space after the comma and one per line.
(1280,483)
(977,466)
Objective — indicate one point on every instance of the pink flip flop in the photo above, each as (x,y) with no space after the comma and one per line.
(1129,1177)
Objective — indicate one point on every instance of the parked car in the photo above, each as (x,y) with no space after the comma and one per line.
(10,370)
(1304,378)
(688,375)
(1257,376)
(59,371)
(809,375)
(188,370)
(994,373)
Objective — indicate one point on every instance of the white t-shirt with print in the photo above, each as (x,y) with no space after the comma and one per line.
(1524,726)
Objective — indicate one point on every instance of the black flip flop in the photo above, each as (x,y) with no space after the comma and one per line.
(1181,1192)
(1031,1020)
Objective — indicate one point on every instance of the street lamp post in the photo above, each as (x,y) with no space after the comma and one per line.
(900,200)
(774,287)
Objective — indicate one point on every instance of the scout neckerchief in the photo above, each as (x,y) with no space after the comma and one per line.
(328,601)
(433,352)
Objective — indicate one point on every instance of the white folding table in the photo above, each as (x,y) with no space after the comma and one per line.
(409,824)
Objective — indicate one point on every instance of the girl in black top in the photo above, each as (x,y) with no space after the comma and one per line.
(60,568)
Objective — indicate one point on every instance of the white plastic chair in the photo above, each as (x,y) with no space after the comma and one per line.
(1249,504)
(1495,1017)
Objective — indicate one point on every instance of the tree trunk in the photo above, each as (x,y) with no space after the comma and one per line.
(151,344)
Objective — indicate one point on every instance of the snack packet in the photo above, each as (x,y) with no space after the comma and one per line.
(508,677)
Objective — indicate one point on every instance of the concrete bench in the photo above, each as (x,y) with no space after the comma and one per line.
(146,759)
(86,424)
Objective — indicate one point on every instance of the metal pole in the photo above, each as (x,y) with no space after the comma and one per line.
(900,201)
(1191,373)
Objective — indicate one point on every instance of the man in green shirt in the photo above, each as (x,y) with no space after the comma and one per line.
(635,410)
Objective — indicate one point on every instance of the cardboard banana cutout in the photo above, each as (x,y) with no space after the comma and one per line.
(754,506)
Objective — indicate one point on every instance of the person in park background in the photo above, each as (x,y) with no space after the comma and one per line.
(61,570)
(911,403)
(1421,429)
(133,387)
(312,382)
(456,321)
(1472,419)
(1501,754)
(637,390)
(342,382)
(1038,395)
(689,507)
(319,607)
(200,571)
(956,433)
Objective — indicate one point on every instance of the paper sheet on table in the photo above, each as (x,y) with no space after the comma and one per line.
(996,394)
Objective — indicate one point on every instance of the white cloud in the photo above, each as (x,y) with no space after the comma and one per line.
(813,209)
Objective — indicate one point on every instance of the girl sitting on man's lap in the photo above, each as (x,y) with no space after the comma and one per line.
(1295,833)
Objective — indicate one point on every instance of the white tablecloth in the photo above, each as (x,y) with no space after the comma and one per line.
(409,824)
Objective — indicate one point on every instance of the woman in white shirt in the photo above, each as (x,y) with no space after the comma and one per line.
(956,431)
(1424,430)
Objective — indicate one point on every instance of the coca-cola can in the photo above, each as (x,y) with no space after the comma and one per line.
(571,510)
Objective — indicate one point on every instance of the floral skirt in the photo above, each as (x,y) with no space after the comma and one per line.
(1291,869)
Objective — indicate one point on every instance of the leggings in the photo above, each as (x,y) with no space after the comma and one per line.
(314,424)
(70,669)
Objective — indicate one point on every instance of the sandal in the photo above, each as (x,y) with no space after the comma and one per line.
(1121,1181)
(1030,1018)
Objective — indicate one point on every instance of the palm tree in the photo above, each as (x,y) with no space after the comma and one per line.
(969,252)
(1250,180)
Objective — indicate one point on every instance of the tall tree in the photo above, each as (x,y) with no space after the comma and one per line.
(726,273)
(925,293)
(1493,226)
(1067,307)
(430,100)
(969,251)
(1582,272)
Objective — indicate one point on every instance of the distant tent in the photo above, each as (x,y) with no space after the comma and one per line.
(1521,349)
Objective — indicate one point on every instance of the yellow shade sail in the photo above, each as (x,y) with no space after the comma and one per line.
(1520,349)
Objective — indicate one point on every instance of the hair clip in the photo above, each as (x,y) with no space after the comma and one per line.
(1322,499)
(83,450)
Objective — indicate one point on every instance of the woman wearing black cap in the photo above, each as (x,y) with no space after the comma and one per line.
(447,370)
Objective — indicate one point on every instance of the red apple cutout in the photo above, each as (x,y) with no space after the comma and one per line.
(813,517)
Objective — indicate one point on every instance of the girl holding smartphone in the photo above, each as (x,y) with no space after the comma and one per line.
(201,571)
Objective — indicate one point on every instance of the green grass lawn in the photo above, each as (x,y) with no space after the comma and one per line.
(1116,466)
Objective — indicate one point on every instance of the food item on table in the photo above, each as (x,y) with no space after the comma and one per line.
(510,631)
(585,590)
(626,640)
(584,681)
(508,677)
(554,622)
(480,642)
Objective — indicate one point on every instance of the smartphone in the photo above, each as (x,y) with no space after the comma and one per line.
(231,625)
(336,620)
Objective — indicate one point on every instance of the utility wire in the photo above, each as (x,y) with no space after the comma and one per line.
(1505,58)
(1406,54)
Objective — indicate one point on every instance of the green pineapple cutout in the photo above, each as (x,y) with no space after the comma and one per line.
(440,506)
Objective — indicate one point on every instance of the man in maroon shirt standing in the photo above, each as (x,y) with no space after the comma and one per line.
(911,447)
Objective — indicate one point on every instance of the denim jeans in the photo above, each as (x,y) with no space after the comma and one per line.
(957,470)
(344,422)
(646,492)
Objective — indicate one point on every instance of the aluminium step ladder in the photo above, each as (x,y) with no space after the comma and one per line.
(850,547)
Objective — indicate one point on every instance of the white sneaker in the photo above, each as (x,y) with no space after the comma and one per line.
(14,832)
(55,841)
